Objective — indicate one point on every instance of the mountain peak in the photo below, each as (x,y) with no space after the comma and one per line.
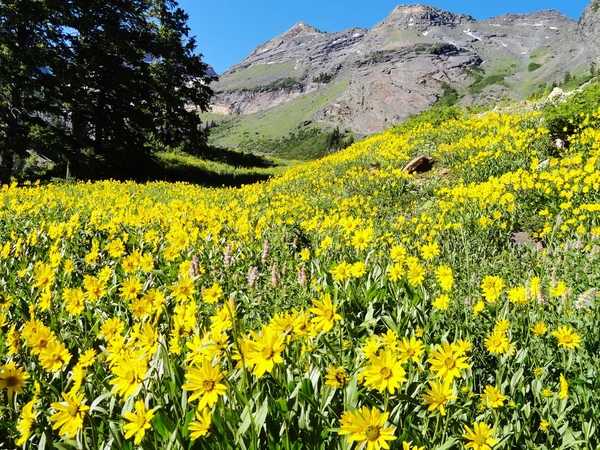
(301,28)
(422,17)
(416,8)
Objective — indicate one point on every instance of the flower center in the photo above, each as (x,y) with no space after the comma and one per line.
(385,372)
(11,381)
(450,363)
(267,353)
(372,433)
(73,409)
(440,398)
(480,439)
(208,385)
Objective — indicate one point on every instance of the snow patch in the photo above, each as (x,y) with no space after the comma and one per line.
(553,28)
(425,33)
(532,24)
(504,45)
(357,35)
(523,53)
(468,32)
(496,25)
(337,41)
(411,24)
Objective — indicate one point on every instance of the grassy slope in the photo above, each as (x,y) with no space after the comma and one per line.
(259,75)
(275,122)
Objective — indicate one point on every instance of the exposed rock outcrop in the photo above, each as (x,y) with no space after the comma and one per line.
(406,63)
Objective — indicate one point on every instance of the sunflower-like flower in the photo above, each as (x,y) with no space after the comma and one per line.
(438,395)
(479,437)
(201,426)
(367,428)
(385,372)
(264,351)
(54,356)
(492,396)
(336,377)
(325,314)
(411,349)
(497,343)
(12,378)
(567,337)
(129,371)
(564,388)
(204,382)
(447,361)
(139,422)
(69,415)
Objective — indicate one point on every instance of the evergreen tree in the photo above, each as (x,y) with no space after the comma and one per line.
(180,77)
(29,46)
(334,140)
(105,82)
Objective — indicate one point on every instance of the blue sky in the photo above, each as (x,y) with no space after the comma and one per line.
(228,30)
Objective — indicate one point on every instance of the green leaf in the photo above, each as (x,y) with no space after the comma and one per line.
(159,426)
(448,444)
(245,422)
(261,415)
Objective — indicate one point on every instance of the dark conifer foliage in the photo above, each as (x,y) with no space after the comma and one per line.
(30,42)
(100,84)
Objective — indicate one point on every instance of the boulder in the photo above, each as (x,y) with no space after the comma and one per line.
(522,239)
(556,94)
(419,165)
(545,163)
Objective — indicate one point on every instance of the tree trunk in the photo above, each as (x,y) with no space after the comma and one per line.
(7,161)
(99,127)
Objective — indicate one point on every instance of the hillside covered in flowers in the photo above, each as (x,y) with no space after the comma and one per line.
(343,304)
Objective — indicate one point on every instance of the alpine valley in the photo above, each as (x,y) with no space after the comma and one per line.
(366,80)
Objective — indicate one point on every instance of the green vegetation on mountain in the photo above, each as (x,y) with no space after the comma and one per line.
(274,123)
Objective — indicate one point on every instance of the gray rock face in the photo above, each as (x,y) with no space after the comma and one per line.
(589,30)
(403,64)
(210,72)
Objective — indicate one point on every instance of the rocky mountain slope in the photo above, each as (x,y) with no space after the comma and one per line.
(367,80)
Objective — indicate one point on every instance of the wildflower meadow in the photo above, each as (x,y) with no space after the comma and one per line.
(344,304)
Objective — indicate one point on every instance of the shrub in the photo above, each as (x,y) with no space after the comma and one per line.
(490,80)
(435,116)
(564,118)
(323,77)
